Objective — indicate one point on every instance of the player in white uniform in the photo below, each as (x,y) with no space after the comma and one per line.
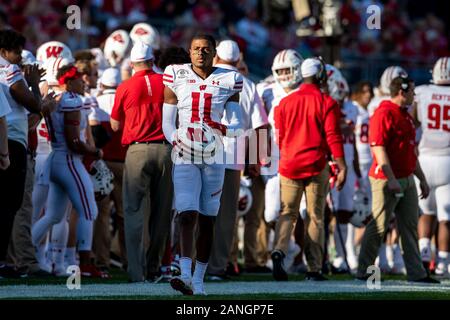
(342,201)
(43,150)
(362,95)
(198,93)
(433,113)
(382,92)
(285,80)
(69,180)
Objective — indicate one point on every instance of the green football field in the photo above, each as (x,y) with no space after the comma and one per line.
(246,286)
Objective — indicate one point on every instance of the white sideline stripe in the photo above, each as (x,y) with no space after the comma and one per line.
(230,288)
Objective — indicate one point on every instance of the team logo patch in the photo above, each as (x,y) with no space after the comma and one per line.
(182,73)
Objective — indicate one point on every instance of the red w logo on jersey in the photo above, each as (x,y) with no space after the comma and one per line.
(203,87)
(140,31)
(118,38)
(43,132)
(53,51)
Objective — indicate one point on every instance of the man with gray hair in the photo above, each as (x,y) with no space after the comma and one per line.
(254,118)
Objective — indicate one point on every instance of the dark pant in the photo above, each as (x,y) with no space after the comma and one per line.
(12,185)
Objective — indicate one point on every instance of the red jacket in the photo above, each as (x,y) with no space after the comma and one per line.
(393,128)
(307,124)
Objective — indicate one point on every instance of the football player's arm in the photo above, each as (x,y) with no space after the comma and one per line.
(424,188)
(169,115)
(72,134)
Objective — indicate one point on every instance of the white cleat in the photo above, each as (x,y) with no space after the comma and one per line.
(199,289)
(442,270)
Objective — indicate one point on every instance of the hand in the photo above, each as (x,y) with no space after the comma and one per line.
(341,178)
(425,189)
(4,162)
(99,154)
(49,103)
(253,170)
(33,74)
(394,186)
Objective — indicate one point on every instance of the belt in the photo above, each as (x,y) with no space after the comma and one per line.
(150,142)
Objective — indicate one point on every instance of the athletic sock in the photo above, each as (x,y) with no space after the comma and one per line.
(70,256)
(199,272)
(425,249)
(186,268)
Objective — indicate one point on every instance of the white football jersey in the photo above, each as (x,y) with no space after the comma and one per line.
(69,102)
(43,138)
(201,100)
(105,104)
(362,135)
(433,112)
(350,112)
(272,93)
(374,103)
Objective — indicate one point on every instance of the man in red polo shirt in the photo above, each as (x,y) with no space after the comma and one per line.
(392,140)
(308,128)
(148,166)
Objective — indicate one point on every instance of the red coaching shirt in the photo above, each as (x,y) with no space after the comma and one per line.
(392,127)
(308,128)
(138,106)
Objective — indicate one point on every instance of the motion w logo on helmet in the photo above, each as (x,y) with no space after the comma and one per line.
(53,51)
(141,31)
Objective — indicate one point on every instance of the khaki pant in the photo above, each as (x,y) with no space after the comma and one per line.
(406,208)
(225,223)
(102,234)
(316,188)
(148,172)
(21,250)
(253,250)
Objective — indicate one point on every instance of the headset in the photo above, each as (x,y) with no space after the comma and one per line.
(321,76)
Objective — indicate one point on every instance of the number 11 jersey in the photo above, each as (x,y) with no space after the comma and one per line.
(201,100)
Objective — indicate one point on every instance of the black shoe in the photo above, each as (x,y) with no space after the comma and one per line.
(315,276)
(427,279)
(363,278)
(10,272)
(258,269)
(278,271)
(335,270)
(40,274)
(233,269)
(154,277)
(217,277)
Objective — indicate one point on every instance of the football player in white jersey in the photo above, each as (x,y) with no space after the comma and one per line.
(285,80)
(342,201)
(382,92)
(433,113)
(362,95)
(41,184)
(198,93)
(69,180)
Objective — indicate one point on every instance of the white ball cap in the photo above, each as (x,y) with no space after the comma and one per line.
(111,77)
(141,52)
(310,67)
(228,50)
